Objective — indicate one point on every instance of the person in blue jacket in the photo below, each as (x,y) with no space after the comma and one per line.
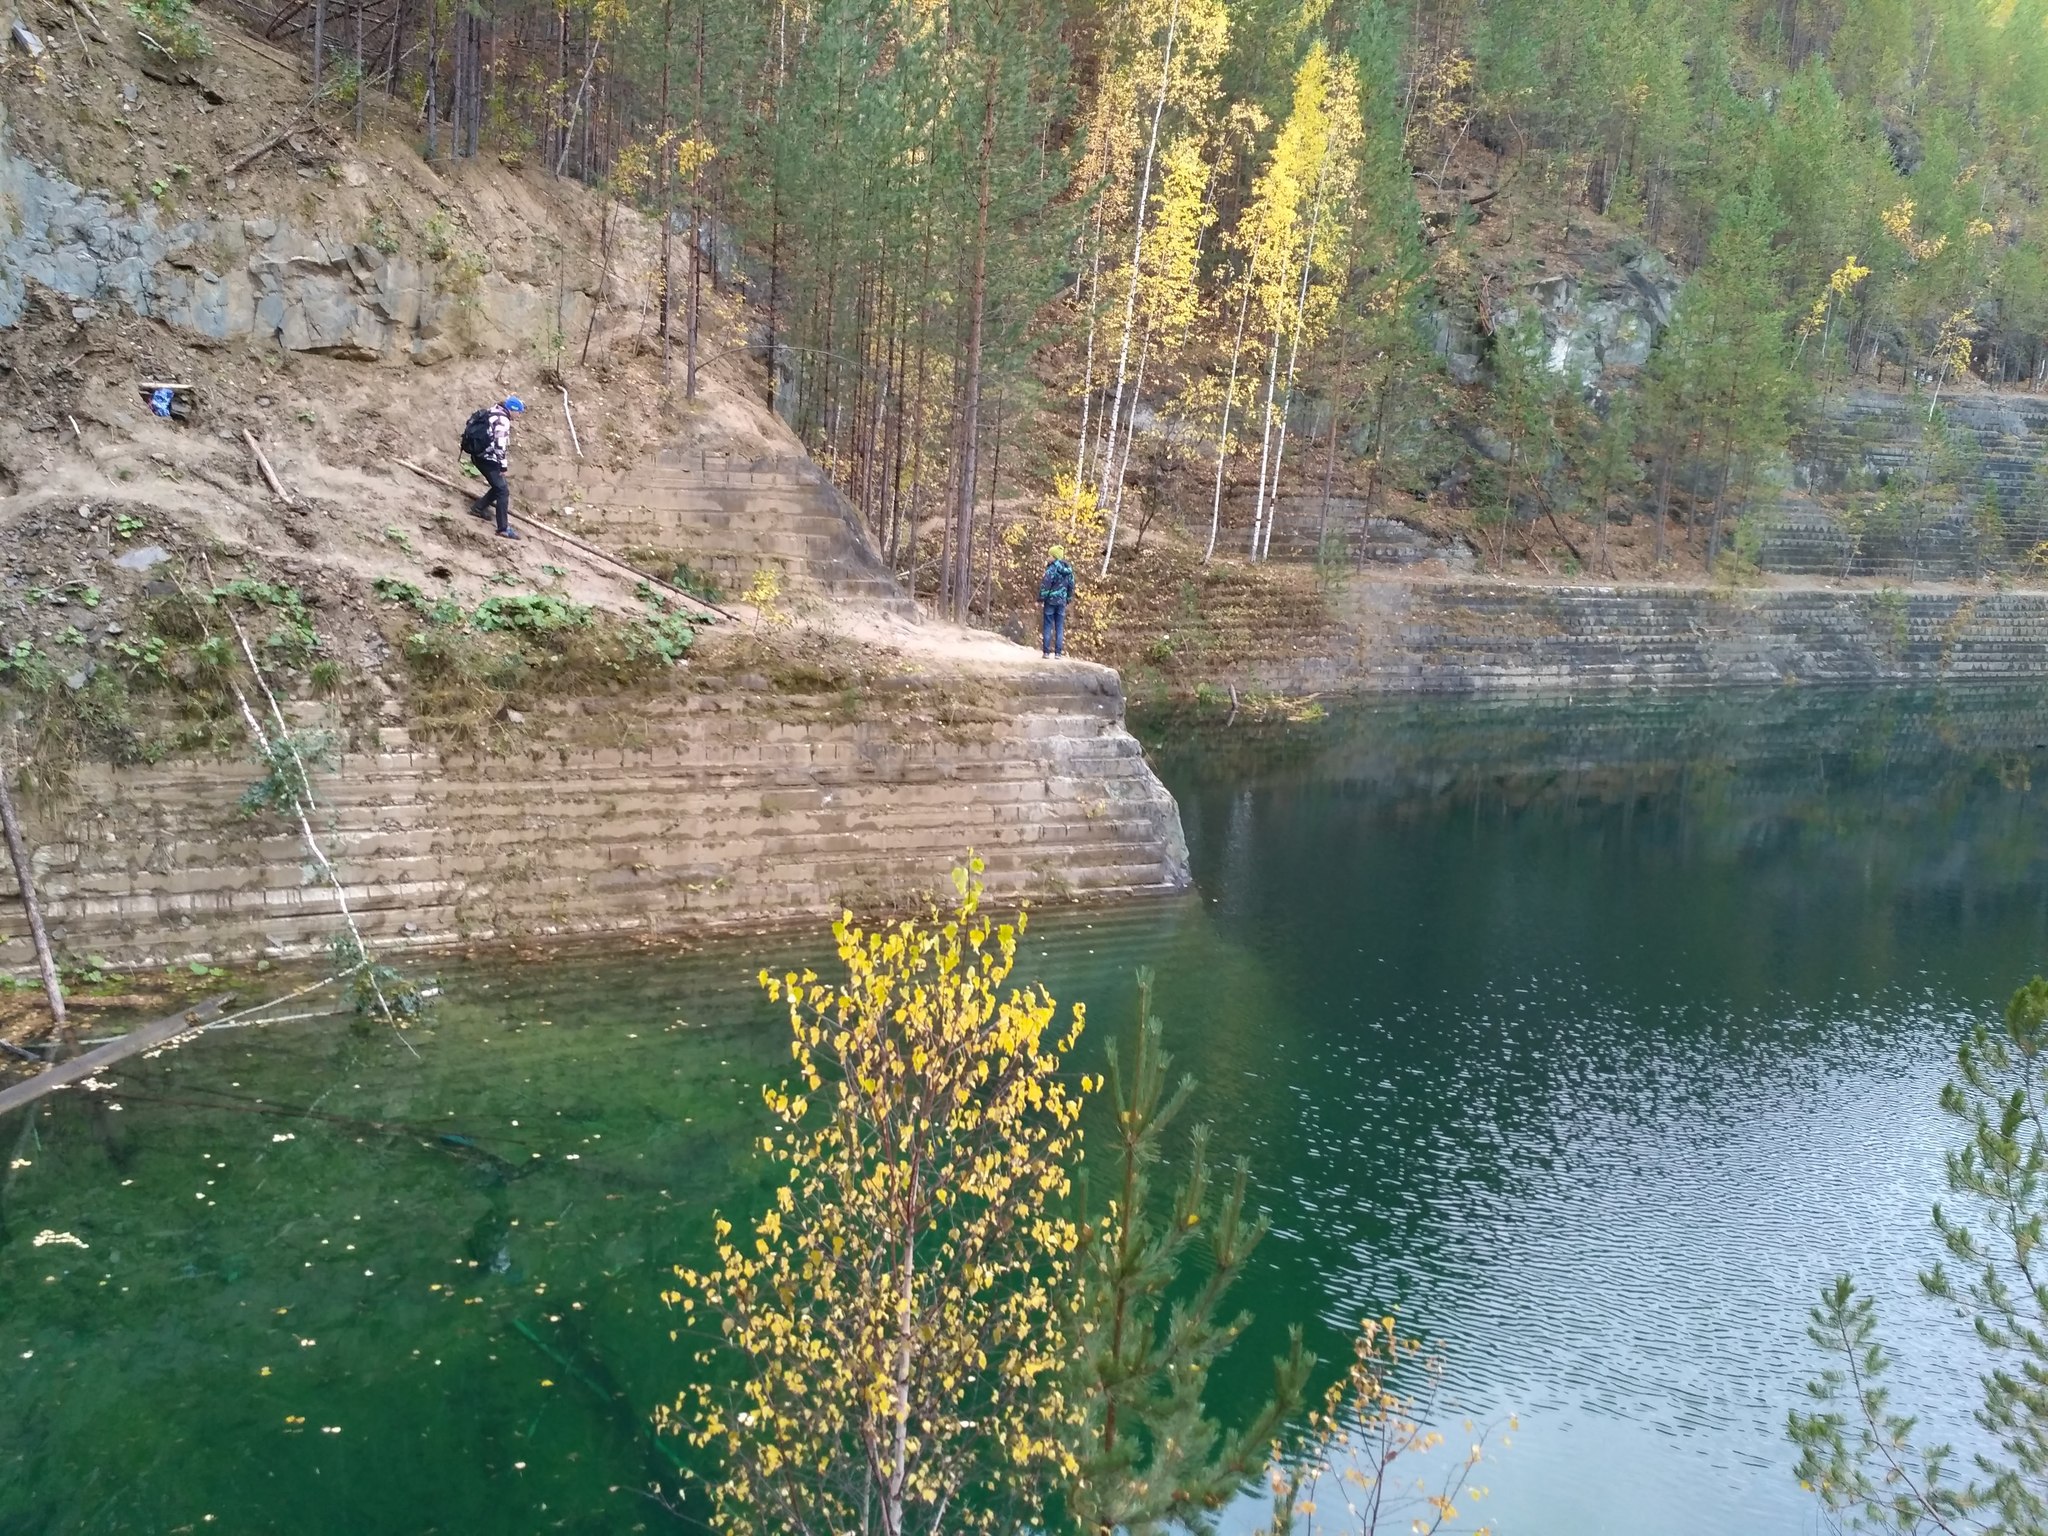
(1055,591)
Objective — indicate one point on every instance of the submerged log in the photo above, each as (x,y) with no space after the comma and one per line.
(156,1032)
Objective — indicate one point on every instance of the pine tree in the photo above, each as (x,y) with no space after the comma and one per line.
(1148,1456)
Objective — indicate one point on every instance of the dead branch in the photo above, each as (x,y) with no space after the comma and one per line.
(570,418)
(301,119)
(269,475)
(158,1032)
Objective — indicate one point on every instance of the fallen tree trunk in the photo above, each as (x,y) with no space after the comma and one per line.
(300,119)
(17,850)
(155,1033)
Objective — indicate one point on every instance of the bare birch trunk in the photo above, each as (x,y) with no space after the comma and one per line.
(24,877)
(1137,252)
(1244,307)
(1308,263)
(1265,441)
(1088,367)
(1117,503)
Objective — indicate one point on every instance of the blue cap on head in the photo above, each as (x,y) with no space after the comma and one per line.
(514,403)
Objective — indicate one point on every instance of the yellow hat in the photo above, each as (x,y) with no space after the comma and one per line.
(1059,552)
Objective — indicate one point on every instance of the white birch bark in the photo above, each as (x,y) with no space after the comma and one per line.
(1223,436)
(1117,505)
(1137,254)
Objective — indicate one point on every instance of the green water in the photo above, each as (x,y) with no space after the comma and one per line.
(1592,1036)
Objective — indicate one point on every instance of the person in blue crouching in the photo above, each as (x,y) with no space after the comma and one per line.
(1055,591)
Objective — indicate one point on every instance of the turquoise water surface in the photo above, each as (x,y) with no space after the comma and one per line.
(1592,1036)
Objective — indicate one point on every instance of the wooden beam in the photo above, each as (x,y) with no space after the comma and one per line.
(269,475)
(155,1033)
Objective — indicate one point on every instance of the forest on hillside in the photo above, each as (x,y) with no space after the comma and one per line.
(1214,247)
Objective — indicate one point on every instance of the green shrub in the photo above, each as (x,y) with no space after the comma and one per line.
(169,24)
(670,635)
(538,613)
(439,237)
(293,642)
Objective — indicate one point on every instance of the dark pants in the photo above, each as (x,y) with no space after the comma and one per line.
(1052,631)
(498,498)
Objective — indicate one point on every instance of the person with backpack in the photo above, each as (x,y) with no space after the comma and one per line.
(1055,591)
(487,439)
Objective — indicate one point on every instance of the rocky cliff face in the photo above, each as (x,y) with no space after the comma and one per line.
(1600,315)
(226,279)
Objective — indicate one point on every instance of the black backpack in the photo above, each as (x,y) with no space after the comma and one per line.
(476,433)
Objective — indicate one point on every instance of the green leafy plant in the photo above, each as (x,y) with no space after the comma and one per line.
(294,640)
(170,26)
(401,538)
(127,525)
(144,658)
(28,668)
(466,269)
(343,83)
(438,239)
(374,987)
(670,635)
(284,788)
(530,613)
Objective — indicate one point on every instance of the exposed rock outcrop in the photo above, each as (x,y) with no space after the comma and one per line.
(1600,318)
(227,279)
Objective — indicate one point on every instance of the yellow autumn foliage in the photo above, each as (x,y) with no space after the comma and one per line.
(895,1320)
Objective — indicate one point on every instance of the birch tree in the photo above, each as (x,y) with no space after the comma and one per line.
(895,1315)
(1311,169)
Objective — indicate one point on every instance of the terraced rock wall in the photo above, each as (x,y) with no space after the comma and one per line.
(1461,637)
(729,807)
(1869,496)
(729,519)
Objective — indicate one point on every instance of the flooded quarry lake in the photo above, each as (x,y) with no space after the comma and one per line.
(1592,1037)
